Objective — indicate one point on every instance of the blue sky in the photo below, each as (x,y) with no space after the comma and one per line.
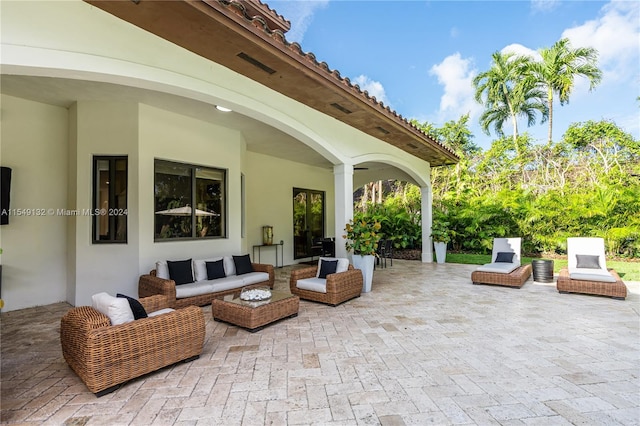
(419,57)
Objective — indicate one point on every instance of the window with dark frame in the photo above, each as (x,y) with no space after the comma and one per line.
(308,222)
(109,210)
(177,188)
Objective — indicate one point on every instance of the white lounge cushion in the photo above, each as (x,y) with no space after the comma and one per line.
(200,268)
(116,308)
(318,285)
(254,277)
(587,246)
(593,246)
(342,266)
(587,274)
(499,267)
(194,289)
(506,245)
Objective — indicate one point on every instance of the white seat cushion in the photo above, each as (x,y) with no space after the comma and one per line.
(226,283)
(587,274)
(499,267)
(116,308)
(254,277)
(193,289)
(319,285)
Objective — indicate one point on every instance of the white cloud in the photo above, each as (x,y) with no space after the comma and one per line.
(299,13)
(520,50)
(544,5)
(616,36)
(456,75)
(374,88)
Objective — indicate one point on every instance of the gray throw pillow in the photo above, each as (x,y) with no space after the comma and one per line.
(504,257)
(587,261)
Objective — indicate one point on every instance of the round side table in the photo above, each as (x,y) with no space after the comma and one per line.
(542,270)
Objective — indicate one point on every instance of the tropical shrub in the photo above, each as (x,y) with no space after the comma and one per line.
(362,236)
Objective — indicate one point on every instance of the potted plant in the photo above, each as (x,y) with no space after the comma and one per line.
(362,238)
(441,236)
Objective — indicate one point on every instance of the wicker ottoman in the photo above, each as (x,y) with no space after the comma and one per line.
(617,290)
(516,278)
(255,315)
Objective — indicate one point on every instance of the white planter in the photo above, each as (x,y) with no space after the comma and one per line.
(365,264)
(441,251)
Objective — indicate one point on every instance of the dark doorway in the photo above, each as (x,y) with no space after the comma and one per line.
(308,222)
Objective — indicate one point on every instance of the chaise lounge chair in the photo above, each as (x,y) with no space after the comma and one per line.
(587,271)
(505,268)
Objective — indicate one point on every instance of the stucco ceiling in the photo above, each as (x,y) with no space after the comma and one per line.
(260,137)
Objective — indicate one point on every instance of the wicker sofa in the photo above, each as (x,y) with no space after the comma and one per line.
(202,291)
(338,287)
(105,356)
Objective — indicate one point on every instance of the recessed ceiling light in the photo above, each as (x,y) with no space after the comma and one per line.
(223,109)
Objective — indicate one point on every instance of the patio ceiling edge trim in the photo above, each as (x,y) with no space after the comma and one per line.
(227,13)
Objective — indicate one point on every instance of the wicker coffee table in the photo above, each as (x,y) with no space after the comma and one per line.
(254,316)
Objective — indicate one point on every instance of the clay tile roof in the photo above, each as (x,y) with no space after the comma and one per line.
(236,32)
(295,47)
(273,21)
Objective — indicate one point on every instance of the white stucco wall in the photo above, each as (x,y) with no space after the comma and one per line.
(269,183)
(170,136)
(102,128)
(33,143)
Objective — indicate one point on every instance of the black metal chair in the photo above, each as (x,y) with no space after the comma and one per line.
(387,252)
(381,258)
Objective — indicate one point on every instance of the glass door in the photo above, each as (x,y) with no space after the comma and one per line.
(308,222)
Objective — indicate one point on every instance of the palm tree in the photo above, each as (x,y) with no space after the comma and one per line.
(507,94)
(559,67)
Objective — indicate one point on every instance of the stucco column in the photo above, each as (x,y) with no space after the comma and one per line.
(427,219)
(343,188)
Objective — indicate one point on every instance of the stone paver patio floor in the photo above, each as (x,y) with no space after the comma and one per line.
(426,346)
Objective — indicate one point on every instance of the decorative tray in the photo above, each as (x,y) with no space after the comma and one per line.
(255,294)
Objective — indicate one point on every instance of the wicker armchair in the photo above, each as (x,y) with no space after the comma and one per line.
(106,356)
(150,284)
(340,287)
